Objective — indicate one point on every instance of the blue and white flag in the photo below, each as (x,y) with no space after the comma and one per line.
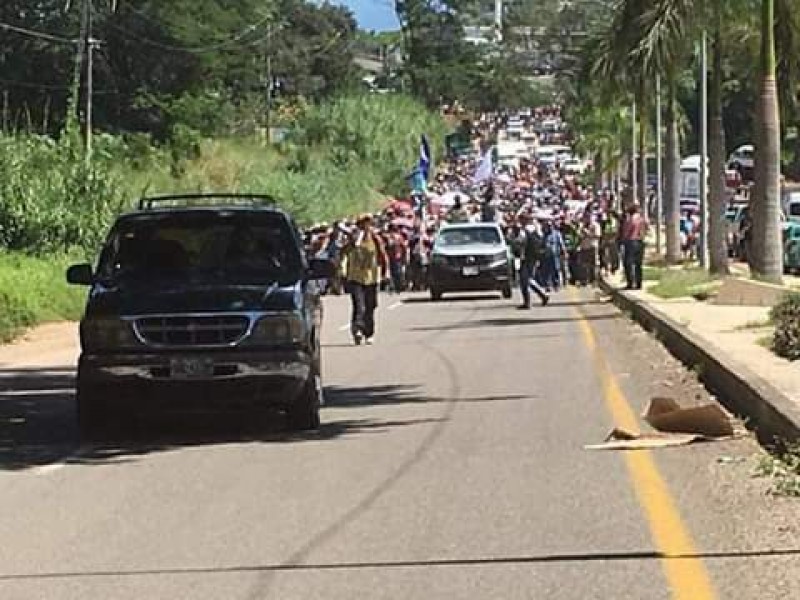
(416,178)
(425,157)
(485,169)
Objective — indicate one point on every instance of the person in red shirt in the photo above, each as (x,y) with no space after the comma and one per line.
(632,234)
(397,248)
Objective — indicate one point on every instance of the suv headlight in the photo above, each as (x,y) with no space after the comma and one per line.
(107,333)
(500,258)
(279,329)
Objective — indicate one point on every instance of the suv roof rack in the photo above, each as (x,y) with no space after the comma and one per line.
(209,200)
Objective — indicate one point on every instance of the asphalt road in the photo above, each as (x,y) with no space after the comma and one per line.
(450,465)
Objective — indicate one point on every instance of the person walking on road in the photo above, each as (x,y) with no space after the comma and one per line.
(554,251)
(365,261)
(531,246)
(589,247)
(633,233)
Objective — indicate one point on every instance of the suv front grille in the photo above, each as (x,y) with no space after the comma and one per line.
(472,260)
(182,331)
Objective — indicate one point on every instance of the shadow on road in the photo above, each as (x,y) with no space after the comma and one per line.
(386,395)
(516,322)
(633,556)
(449,298)
(38,425)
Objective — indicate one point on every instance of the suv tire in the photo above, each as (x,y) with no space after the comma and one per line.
(303,413)
(507,293)
(94,413)
(436,294)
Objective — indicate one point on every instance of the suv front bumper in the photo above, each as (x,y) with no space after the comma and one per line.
(448,278)
(273,377)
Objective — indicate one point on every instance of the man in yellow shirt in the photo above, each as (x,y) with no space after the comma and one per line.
(364,263)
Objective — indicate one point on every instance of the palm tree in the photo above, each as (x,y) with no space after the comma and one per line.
(645,38)
(766,257)
(666,30)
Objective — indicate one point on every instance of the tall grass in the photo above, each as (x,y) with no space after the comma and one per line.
(34,290)
(341,157)
(49,199)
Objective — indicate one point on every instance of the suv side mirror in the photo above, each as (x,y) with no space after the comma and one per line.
(320,268)
(80,275)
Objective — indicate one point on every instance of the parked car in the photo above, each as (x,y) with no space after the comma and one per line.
(790,200)
(791,246)
(198,300)
(470,257)
(743,160)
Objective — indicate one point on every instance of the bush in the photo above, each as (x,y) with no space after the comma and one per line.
(786,316)
(50,200)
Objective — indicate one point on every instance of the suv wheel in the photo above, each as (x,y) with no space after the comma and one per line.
(303,414)
(507,293)
(436,294)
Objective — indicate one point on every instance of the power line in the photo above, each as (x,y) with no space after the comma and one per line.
(37,34)
(233,41)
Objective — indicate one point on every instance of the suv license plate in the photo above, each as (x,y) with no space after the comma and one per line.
(471,271)
(191,368)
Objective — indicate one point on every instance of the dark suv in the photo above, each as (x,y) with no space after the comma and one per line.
(201,299)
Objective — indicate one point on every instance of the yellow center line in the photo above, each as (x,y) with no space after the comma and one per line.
(685,572)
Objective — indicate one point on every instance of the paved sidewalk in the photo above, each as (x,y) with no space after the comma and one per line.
(737,332)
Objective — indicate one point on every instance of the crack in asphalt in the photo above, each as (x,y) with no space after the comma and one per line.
(261,587)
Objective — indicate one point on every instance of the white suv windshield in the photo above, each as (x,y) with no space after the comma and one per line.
(471,235)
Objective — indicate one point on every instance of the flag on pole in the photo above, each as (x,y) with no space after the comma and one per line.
(425,157)
(485,168)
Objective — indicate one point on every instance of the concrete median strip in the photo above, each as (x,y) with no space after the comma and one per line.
(772,414)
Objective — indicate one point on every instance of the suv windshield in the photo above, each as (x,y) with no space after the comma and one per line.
(471,235)
(238,247)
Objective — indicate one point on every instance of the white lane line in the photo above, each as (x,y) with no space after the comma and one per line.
(344,327)
(395,306)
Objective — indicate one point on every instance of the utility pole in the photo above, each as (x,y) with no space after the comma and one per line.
(634,151)
(268,60)
(89,44)
(703,249)
(659,168)
(498,21)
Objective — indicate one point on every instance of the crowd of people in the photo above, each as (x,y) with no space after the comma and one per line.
(561,230)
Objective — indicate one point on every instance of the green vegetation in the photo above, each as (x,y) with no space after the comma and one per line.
(786,316)
(34,290)
(652,273)
(758,324)
(340,158)
(784,470)
(683,283)
(163,67)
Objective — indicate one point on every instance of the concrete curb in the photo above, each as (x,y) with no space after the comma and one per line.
(767,410)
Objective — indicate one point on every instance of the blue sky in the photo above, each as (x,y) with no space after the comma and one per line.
(377,15)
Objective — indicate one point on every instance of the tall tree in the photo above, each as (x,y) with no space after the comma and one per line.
(766,258)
